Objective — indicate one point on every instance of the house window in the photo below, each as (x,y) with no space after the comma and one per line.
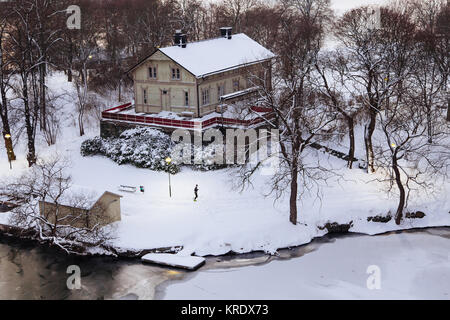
(220,91)
(186,98)
(176,74)
(144,96)
(205,96)
(236,85)
(152,72)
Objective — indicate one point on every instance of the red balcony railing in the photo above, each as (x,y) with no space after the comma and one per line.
(115,114)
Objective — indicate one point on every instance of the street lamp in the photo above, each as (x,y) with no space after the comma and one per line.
(8,150)
(169,161)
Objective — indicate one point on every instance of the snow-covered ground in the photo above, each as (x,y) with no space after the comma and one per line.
(224,219)
(409,265)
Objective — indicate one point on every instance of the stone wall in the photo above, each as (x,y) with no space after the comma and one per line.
(113,129)
(110,129)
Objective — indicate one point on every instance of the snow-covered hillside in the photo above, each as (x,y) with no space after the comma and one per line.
(224,219)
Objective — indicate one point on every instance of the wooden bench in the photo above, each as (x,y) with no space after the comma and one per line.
(127,188)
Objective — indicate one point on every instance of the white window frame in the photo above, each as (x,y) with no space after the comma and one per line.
(205,97)
(176,74)
(152,72)
(220,91)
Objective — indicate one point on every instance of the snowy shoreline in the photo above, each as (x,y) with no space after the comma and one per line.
(15,233)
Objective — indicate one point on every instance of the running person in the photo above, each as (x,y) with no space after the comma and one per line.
(196,192)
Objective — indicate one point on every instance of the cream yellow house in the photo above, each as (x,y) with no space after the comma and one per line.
(192,79)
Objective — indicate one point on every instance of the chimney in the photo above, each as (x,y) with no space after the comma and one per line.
(180,39)
(183,40)
(225,32)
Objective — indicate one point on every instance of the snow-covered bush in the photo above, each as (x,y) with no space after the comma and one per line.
(141,147)
(92,147)
(147,148)
(207,154)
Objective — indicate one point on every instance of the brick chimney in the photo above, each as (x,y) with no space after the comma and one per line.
(225,32)
(180,39)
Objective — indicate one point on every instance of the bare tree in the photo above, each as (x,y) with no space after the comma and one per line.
(86,49)
(429,85)
(378,60)
(412,161)
(236,9)
(5,77)
(47,22)
(82,93)
(53,118)
(442,48)
(333,83)
(25,63)
(189,19)
(432,18)
(300,115)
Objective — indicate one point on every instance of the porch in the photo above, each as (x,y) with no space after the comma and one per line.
(228,117)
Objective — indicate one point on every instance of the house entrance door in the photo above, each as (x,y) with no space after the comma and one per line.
(165,100)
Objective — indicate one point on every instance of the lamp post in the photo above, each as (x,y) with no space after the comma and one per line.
(8,149)
(169,161)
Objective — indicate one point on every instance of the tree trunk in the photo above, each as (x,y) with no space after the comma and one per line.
(401,202)
(43,107)
(70,61)
(448,107)
(6,128)
(81,124)
(293,197)
(368,142)
(120,91)
(31,156)
(429,124)
(448,98)
(351,135)
(8,144)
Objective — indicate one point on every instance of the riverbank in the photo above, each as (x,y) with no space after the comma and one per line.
(16,233)
(31,236)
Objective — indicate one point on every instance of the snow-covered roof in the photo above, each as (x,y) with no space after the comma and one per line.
(210,56)
(238,93)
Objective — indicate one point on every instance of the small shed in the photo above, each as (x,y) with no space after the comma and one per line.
(82,211)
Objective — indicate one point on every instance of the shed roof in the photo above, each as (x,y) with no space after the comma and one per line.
(79,197)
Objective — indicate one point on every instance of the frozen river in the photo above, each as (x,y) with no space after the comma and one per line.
(411,264)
